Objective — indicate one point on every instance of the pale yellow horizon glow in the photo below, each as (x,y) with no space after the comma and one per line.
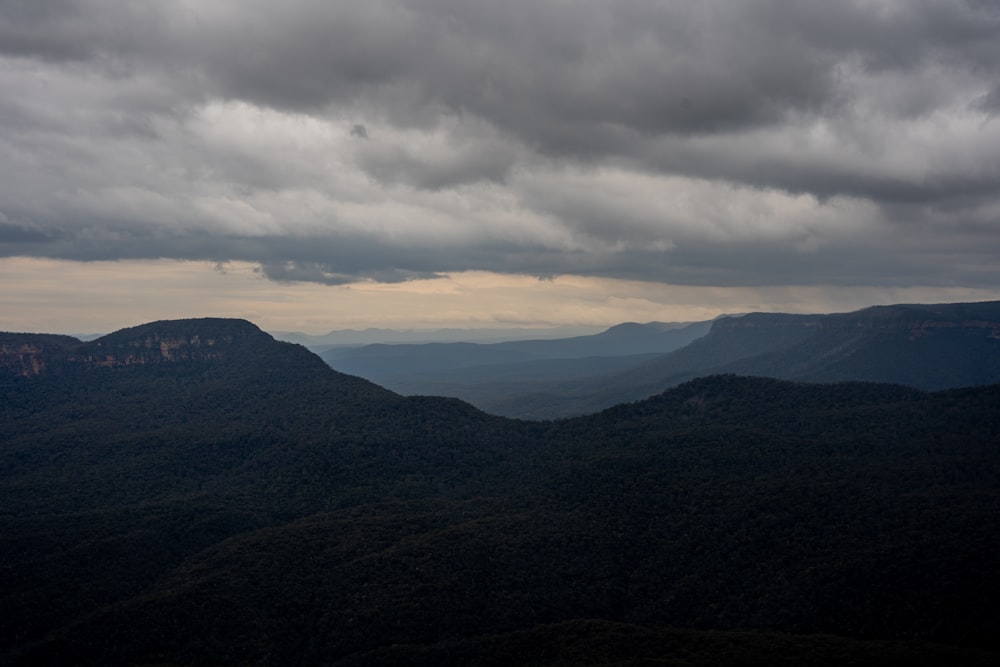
(56,296)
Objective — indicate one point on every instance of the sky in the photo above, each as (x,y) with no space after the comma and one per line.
(316,164)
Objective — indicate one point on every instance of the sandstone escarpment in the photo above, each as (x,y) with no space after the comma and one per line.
(155,343)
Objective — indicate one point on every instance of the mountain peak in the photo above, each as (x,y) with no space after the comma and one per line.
(164,341)
(198,331)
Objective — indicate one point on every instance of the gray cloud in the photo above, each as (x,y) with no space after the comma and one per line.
(761,142)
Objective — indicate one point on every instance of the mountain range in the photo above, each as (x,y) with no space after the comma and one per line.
(195,492)
(341,338)
(936,346)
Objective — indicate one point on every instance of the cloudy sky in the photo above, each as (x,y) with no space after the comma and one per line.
(318,164)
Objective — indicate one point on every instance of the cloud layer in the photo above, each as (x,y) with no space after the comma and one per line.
(766,142)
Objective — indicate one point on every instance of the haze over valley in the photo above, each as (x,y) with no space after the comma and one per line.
(926,346)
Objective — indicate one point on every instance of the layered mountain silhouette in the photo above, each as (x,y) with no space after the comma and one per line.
(487,375)
(619,345)
(925,346)
(194,492)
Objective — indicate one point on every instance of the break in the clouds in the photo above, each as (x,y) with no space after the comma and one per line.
(765,142)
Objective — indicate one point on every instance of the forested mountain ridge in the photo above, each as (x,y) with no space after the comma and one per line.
(260,508)
(156,342)
(927,346)
(935,346)
(30,354)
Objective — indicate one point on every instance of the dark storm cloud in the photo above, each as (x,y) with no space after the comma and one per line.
(732,143)
(651,66)
(990,102)
(17,235)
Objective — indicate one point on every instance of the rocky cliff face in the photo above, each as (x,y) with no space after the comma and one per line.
(914,321)
(155,343)
(937,346)
(33,354)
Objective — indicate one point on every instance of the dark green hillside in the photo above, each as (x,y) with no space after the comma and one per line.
(594,643)
(247,505)
(114,473)
(124,420)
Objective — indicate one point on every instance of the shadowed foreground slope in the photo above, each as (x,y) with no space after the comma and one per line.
(251,506)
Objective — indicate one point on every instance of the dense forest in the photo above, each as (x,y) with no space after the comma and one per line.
(196,493)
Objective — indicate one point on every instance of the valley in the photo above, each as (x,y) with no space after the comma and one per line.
(194,492)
